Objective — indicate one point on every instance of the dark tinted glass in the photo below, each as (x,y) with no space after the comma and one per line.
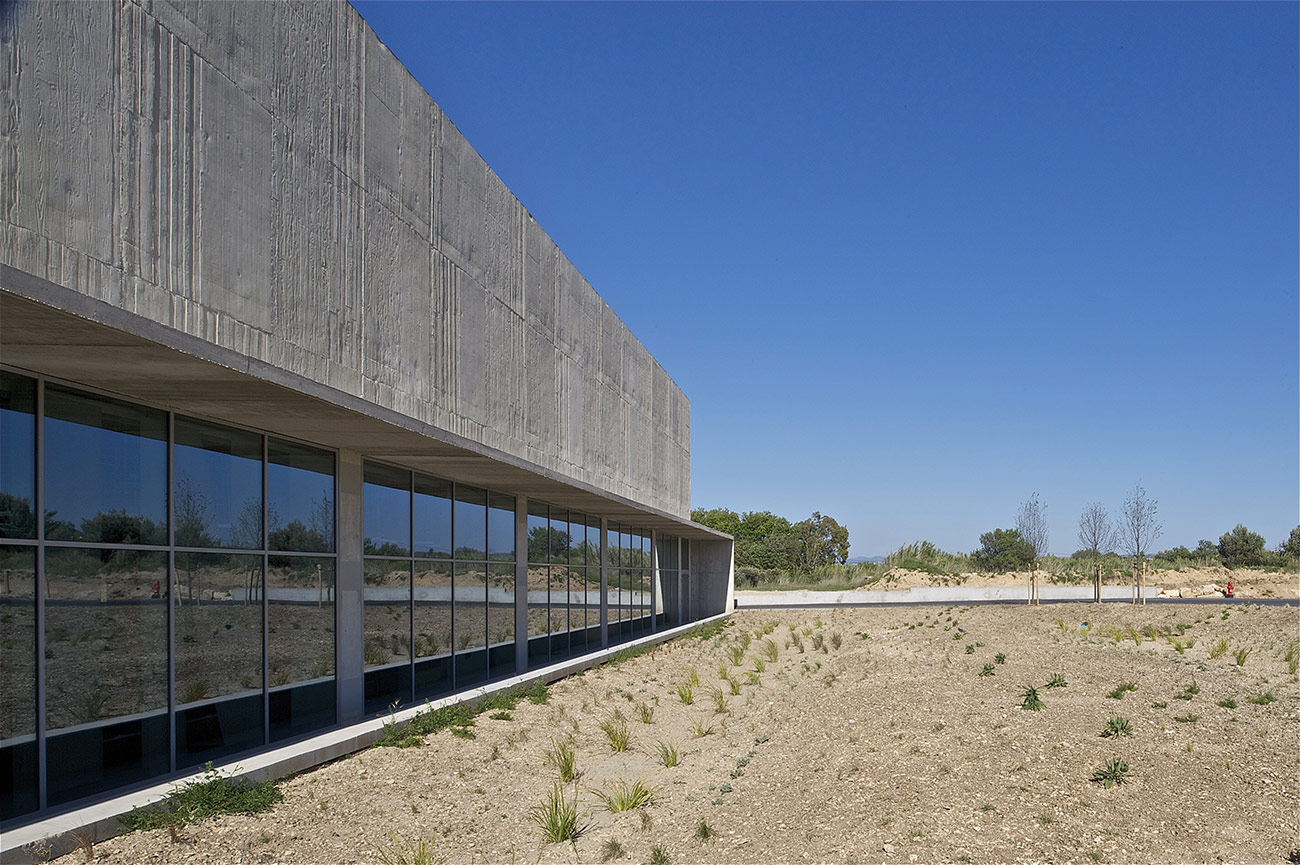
(501,527)
(17,456)
(432,609)
(470,625)
(432,517)
(470,525)
(218,610)
(217,496)
(18,682)
(501,619)
(300,497)
(300,619)
(387,612)
(538,532)
(561,541)
(387,505)
(108,482)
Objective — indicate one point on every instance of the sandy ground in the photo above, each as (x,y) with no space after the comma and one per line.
(890,747)
(1190,582)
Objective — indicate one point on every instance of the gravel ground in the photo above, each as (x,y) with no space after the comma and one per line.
(888,747)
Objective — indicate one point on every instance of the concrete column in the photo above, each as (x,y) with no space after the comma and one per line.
(349,610)
(521,584)
(604,582)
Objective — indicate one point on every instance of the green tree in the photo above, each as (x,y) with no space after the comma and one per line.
(1207,551)
(1241,548)
(1291,546)
(767,541)
(718,519)
(1002,550)
(823,541)
(547,544)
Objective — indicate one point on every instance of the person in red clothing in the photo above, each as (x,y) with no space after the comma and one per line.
(1228,593)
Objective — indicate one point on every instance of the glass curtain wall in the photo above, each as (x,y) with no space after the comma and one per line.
(563,583)
(439,586)
(629,581)
(182,573)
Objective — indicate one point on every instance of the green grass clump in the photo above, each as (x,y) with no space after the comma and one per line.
(1057,680)
(699,729)
(1187,719)
(1217,650)
(1112,773)
(1121,689)
(558,817)
(719,701)
(987,670)
(611,850)
(211,794)
(769,650)
(1190,691)
(1000,658)
(1116,727)
(658,856)
(693,677)
(1029,699)
(622,796)
(646,713)
(1228,703)
(704,832)
(1262,699)
(668,755)
(405,852)
(737,655)
(561,756)
(836,640)
(1241,655)
(686,693)
(616,733)
(1292,658)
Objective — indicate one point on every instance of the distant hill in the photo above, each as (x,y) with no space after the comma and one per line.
(858,560)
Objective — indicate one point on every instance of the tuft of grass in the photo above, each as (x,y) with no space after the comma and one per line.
(769,650)
(646,713)
(406,852)
(1217,650)
(503,715)
(737,655)
(686,694)
(1241,655)
(1228,703)
(693,677)
(703,832)
(558,817)
(611,850)
(616,733)
(970,649)
(1112,773)
(760,666)
(658,856)
(213,793)
(1121,689)
(622,796)
(1116,727)
(699,729)
(719,701)
(1029,699)
(560,755)
(1187,719)
(987,671)
(797,641)
(1000,658)
(836,640)
(668,755)
(1190,691)
(1057,680)
(1262,699)
(1292,658)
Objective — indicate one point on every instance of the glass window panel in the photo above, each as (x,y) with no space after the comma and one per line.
(17,456)
(209,731)
(300,619)
(560,540)
(469,625)
(432,517)
(539,651)
(386,503)
(18,682)
(432,609)
(668,552)
(217,498)
(469,528)
(686,554)
(300,497)
(501,619)
(108,483)
(387,612)
(501,527)
(218,625)
(538,532)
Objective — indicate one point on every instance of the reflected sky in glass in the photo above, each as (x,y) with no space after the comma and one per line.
(218,486)
(18,453)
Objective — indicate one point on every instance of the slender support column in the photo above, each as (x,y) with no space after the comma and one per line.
(349,610)
(604,582)
(654,581)
(521,584)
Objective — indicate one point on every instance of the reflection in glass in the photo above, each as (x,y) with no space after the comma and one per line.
(432,517)
(218,600)
(538,533)
(501,527)
(17,456)
(18,793)
(501,618)
(470,624)
(386,501)
(300,498)
(300,644)
(387,612)
(539,646)
(432,626)
(109,481)
(217,496)
(470,524)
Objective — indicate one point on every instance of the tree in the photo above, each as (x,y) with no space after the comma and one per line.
(548,544)
(718,519)
(1206,550)
(1291,546)
(1031,523)
(823,541)
(1002,550)
(1138,527)
(767,541)
(1242,548)
(1096,531)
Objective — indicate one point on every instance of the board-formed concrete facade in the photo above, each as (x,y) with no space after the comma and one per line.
(238,240)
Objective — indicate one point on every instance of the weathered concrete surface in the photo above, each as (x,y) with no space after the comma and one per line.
(932,594)
(268,178)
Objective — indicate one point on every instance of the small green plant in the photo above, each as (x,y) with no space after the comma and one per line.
(611,850)
(211,794)
(1177,644)
(1228,703)
(1029,699)
(622,796)
(836,640)
(558,817)
(987,670)
(797,641)
(1292,658)
(1116,727)
(646,713)
(737,655)
(668,755)
(723,671)
(719,701)
(616,733)
(760,666)
(561,756)
(658,856)
(733,685)
(703,832)
(1057,680)
(1241,655)
(1112,773)
(1159,704)
(693,677)
(409,852)
(699,729)
(1136,637)
(1121,689)
(1217,650)
(1189,692)
(686,694)
(503,715)
(819,642)
(1262,699)
(769,650)
(1000,658)
(1187,719)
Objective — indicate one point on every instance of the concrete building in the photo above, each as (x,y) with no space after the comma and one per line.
(301,412)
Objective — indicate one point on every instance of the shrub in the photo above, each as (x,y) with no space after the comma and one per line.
(1112,773)
(1116,727)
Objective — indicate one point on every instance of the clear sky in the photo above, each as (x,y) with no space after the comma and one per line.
(912,263)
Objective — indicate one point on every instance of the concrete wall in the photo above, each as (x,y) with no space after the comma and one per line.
(713,579)
(269,178)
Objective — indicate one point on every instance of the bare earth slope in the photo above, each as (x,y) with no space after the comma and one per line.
(890,747)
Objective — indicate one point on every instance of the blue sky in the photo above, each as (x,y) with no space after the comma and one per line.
(912,263)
